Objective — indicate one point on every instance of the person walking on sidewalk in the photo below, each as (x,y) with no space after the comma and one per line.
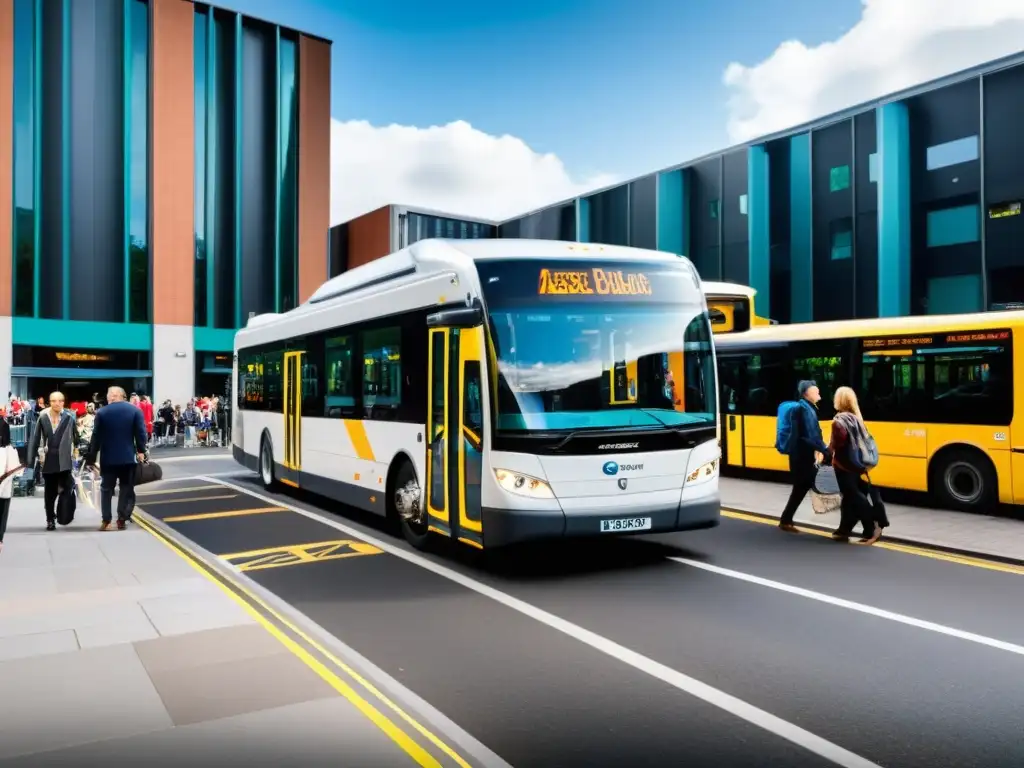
(119,438)
(53,443)
(805,453)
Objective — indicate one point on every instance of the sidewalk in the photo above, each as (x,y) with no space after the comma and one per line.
(114,650)
(958,531)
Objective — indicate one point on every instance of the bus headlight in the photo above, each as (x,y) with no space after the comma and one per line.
(703,472)
(523,485)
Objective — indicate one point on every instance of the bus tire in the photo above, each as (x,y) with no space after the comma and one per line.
(964,479)
(403,488)
(267,464)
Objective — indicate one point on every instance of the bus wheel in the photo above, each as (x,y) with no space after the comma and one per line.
(267,464)
(405,498)
(965,480)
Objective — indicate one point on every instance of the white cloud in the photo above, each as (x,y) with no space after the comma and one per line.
(895,45)
(453,168)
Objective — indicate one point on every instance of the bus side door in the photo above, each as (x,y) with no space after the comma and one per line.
(455,433)
(732,384)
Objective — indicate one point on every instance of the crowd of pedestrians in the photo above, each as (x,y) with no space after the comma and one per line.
(49,442)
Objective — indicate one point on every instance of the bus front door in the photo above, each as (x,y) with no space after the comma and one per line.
(455,433)
(292,418)
(731,383)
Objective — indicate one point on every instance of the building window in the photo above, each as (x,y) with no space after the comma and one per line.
(842,240)
(25,155)
(963,150)
(287,179)
(743,205)
(138,126)
(199,48)
(953,226)
(958,294)
(873,167)
(713,209)
(839,178)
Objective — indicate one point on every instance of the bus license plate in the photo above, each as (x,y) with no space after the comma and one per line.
(622,524)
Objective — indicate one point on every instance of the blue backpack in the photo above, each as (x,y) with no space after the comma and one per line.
(787,431)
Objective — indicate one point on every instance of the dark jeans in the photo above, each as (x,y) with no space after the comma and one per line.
(54,484)
(801,474)
(856,506)
(5,509)
(111,476)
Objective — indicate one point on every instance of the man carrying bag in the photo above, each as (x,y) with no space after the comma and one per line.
(119,439)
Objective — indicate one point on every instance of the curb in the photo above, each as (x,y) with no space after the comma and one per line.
(903,540)
(425,712)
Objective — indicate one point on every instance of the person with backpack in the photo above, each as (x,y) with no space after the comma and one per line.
(854,454)
(798,435)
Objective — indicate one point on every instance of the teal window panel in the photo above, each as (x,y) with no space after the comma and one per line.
(713,209)
(842,244)
(287,176)
(38,331)
(200,49)
(963,150)
(954,226)
(873,168)
(954,295)
(839,178)
(26,176)
(743,205)
(137,286)
(213,339)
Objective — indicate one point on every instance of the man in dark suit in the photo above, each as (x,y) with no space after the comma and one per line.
(119,437)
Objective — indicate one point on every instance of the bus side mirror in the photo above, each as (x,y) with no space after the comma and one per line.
(457,317)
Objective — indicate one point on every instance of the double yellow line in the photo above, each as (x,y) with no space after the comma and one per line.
(404,741)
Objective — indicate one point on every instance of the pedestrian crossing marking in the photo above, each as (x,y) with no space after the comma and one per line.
(297,554)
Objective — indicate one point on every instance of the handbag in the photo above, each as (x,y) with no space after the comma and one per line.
(12,469)
(825,495)
(147,472)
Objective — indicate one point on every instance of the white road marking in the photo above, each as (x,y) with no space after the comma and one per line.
(737,707)
(839,602)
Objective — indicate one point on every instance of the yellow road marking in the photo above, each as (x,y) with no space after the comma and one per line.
(402,739)
(357,434)
(920,551)
(278,557)
(218,515)
(187,489)
(185,501)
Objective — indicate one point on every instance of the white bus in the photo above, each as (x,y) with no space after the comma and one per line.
(493,392)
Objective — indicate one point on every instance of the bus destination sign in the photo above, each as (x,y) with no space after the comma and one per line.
(977,336)
(594,281)
(898,342)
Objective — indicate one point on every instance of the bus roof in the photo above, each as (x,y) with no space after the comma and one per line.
(460,253)
(727,289)
(883,326)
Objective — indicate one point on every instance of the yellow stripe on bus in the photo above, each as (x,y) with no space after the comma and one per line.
(357,434)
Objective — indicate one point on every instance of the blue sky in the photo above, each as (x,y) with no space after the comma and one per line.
(608,85)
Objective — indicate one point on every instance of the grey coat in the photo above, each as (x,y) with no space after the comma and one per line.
(44,431)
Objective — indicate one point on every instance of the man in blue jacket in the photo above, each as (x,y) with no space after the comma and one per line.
(119,437)
(802,460)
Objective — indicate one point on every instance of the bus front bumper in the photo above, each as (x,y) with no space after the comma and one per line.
(503,527)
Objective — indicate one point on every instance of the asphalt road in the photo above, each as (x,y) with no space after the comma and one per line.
(899,659)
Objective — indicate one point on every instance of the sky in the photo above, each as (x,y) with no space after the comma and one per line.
(494,109)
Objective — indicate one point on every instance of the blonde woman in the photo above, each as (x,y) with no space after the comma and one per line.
(853,487)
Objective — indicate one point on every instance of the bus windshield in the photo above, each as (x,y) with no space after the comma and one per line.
(599,347)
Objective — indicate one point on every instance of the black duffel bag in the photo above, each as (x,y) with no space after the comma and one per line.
(147,472)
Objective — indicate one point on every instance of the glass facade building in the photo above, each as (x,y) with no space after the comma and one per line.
(152,206)
(908,205)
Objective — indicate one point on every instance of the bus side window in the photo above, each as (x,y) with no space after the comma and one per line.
(472,408)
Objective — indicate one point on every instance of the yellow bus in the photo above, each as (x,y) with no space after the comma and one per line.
(731,308)
(937,393)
